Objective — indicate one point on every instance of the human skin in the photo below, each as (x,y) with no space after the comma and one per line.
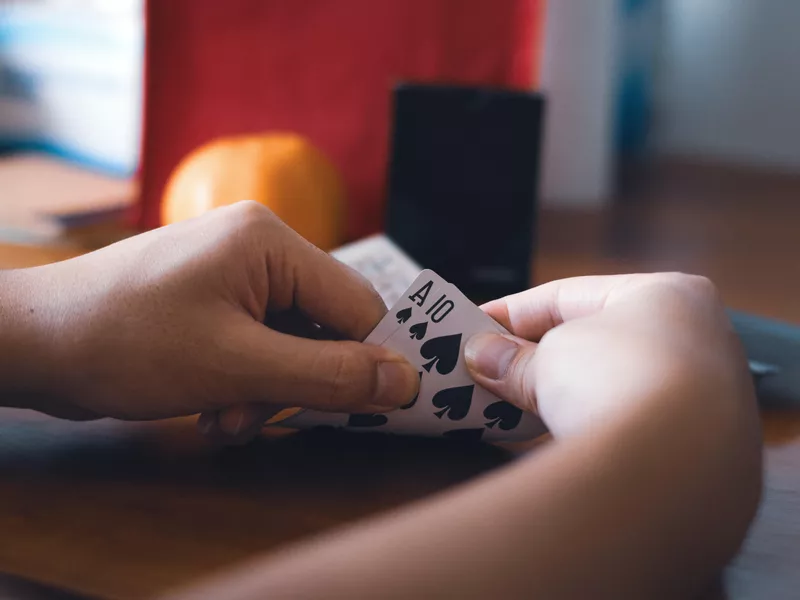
(646,491)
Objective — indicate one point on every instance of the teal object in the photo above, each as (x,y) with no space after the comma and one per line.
(71,79)
(638,46)
(773,351)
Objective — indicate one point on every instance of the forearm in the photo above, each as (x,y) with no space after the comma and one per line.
(25,342)
(649,506)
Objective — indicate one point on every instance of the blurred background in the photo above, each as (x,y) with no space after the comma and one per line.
(670,137)
(669,140)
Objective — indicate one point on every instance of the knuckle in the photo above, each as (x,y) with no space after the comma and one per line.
(373,307)
(522,375)
(696,286)
(248,213)
(701,285)
(374,297)
(352,381)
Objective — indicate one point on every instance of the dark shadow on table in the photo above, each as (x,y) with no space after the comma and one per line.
(129,509)
(17,588)
(172,452)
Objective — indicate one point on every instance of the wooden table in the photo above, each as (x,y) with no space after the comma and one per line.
(125,510)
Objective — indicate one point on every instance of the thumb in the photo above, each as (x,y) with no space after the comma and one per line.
(335,376)
(503,364)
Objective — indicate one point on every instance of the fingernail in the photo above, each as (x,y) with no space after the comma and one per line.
(397,383)
(490,354)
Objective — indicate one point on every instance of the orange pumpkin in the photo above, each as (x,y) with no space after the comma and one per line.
(282,171)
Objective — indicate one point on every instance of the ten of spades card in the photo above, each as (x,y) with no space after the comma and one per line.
(430,326)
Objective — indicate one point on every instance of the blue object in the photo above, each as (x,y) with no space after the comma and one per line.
(638,47)
(70,82)
(773,349)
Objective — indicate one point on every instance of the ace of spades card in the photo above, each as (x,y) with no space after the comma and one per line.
(410,310)
(429,326)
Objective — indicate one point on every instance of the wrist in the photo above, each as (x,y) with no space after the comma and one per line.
(27,368)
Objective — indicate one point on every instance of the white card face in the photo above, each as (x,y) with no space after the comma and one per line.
(430,327)
(383,263)
(410,306)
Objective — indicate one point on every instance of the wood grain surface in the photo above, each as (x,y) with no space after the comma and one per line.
(125,510)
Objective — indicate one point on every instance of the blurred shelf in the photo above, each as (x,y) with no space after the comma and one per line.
(45,201)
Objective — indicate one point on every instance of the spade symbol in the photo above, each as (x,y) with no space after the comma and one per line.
(506,416)
(367,420)
(454,402)
(414,401)
(443,352)
(418,331)
(465,435)
(403,315)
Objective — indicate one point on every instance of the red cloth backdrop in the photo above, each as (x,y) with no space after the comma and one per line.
(322,68)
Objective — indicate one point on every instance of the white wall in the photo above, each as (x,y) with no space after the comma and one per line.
(81,61)
(578,79)
(730,82)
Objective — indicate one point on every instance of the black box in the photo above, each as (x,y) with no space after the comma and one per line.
(463,183)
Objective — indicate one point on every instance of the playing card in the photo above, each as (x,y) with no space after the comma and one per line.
(434,341)
(430,327)
(410,309)
(383,263)
(447,391)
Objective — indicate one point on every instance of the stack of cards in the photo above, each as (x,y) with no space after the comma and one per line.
(430,326)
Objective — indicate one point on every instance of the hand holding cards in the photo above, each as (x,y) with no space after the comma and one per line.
(430,326)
